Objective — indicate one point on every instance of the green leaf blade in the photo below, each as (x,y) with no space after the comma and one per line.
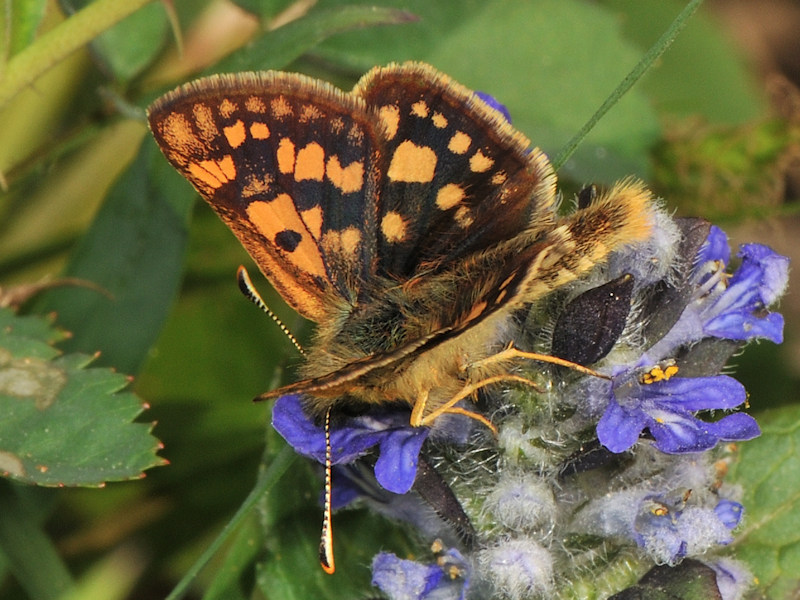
(769,471)
(66,425)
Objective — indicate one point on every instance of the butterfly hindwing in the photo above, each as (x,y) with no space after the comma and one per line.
(289,164)
(457,177)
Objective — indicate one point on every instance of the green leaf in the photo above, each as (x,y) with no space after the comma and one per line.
(134,250)
(769,471)
(434,23)
(272,474)
(21,23)
(276,49)
(128,47)
(63,423)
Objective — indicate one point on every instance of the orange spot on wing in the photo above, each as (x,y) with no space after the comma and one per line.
(393,227)
(279,216)
(449,196)
(459,143)
(255,105)
(347,180)
(281,108)
(439,120)
(309,112)
(204,119)
(228,167)
(179,136)
(259,131)
(389,115)
(343,243)
(227,108)
(412,163)
(336,125)
(420,109)
(313,220)
(285,155)
(499,178)
(310,163)
(257,185)
(235,134)
(351,238)
(480,163)
(464,217)
(207,172)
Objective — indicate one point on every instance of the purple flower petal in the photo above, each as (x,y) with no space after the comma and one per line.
(715,248)
(678,434)
(396,467)
(619,429)
(399,443)
(772,269)
(729,512)
(744,326)
(739,312)
(667,408)
(403,579)
(498,106)
(696,393)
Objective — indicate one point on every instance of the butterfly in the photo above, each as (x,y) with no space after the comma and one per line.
(407,218)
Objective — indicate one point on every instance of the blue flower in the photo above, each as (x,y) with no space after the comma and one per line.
(402,579)
(739,313)
(729,512)
(671,531)
(732,307)
(399,444)
(715,248)
(666,408)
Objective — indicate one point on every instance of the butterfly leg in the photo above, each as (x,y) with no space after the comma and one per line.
(510,352)
(419,419)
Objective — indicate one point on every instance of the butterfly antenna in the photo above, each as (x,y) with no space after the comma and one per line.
(250,292)
(326,540)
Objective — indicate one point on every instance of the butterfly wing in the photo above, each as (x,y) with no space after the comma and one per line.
(289,164)
(457,178)
(324,189)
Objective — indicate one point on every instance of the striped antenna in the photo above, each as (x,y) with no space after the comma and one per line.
(326,540)
(250,292)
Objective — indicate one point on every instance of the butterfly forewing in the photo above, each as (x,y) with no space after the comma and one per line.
(289,164)
(457,177)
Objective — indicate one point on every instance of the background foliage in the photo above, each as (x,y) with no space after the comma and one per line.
(87,195)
